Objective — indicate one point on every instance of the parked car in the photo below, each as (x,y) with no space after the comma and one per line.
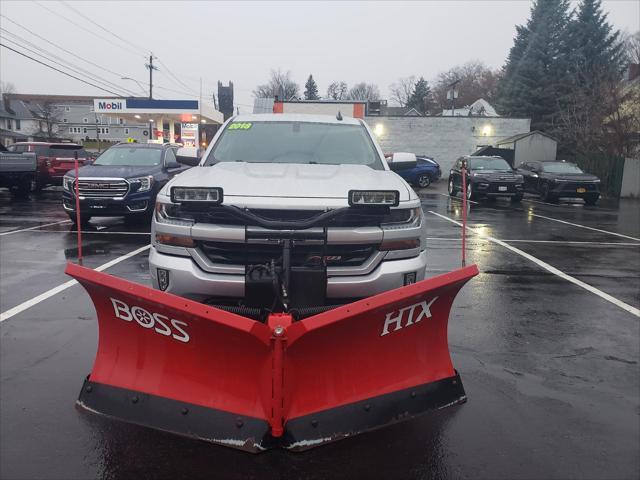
(54,160)
(555,179)
(17,171)
(427,170)
(123,181)
(487,177)
(307,200)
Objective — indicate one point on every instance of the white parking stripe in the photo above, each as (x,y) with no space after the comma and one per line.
(550,268)
(584,226)
(552,242)
(54,291)
(456,198)
(34,228)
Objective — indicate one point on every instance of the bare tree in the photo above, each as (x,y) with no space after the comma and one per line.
(402,90)
(364,91)
(632,47)
(337,90)
(280,85)
(476,81)
(49,116)
(7,88)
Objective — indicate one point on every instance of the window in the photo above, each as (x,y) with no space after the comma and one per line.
(170,156)
(64,120)
(18,124)
(84,130)
(126,131)
(103,130)
(84,120)
(9,125)
(121,121)
(296,142)
(67,109)
(127,156)
(74,129)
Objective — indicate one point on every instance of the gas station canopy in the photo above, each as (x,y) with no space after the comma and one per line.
(188,113)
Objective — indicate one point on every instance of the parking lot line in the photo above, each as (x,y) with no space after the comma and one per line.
(54,291)
(34,228)
(551,242)
(456,198)
(584,226)
(549,268)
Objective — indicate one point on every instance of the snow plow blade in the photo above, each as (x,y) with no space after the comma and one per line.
(180,366)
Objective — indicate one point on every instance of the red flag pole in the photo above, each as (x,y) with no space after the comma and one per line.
(464,213)
(78,223)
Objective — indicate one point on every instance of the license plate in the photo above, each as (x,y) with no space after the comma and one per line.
(98,205)
(502,189)
(581,190)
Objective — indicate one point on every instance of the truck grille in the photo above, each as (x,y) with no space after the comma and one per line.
(113,188)
(302,255)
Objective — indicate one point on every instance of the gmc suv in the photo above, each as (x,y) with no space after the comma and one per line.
(289,212)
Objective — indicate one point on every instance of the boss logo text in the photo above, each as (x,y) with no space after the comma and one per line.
(160,323)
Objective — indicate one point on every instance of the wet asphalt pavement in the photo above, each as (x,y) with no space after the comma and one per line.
(550,367)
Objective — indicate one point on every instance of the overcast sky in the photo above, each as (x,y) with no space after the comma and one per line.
(373,42)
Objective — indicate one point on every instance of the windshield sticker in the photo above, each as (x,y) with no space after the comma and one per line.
(240,126)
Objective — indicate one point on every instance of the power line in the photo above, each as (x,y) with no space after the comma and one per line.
(62,48)
(58,70)
(172,75)
(67,67)
(142,49)
(83,28)
(63,63)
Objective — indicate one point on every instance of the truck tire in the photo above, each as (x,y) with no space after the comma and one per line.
(451,188)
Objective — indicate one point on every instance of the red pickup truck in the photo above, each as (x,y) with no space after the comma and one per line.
(54,160)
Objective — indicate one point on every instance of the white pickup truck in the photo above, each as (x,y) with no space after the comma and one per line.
(294,213)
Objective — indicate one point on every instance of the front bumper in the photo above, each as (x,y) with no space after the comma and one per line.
(132,204)
(574,189)
(187,279)
(497,189)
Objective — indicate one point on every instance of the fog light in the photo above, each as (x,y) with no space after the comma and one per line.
(163,279)
(409,278)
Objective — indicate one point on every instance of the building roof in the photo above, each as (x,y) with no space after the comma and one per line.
(386,111)
(42,98)
(520,136)
(479,108)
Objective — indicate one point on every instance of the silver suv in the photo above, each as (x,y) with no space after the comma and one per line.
(288,212)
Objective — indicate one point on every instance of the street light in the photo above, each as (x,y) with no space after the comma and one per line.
(134,80)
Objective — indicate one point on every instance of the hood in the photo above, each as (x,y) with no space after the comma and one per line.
(279,180)
(96,171)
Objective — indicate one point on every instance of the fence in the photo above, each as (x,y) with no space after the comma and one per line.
(609,168)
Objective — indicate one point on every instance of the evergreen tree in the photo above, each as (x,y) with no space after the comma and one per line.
(535,73)
(421,98)
(311,89)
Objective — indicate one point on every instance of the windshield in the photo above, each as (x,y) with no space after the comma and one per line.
(295,142)
(130,157)
(488,164)
(66,153)
(561,167)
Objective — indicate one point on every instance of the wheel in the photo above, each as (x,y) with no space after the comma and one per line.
(37,186)
(591,200)
(451,188)
(470,193)
(516,198)
(546,195)
(423,181)
(84,219)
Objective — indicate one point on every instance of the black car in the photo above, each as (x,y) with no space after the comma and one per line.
(123,181)
(555,179)
(487,177)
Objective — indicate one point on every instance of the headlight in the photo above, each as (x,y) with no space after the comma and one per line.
(67,183)
(143,184)
(363,198)
(402,218)
(196,194)
(170,213)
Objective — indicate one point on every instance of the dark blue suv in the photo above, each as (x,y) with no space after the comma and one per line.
(123,181)
(426,171)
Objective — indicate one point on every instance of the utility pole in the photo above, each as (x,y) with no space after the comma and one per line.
(151,69)
(97,132)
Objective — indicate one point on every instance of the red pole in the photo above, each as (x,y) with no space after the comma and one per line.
(464,214)
(78,224)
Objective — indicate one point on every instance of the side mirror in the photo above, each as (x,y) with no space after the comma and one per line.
(188,156)
(172,165)
(402,161)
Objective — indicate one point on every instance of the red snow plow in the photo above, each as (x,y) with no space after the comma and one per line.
(199,371)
